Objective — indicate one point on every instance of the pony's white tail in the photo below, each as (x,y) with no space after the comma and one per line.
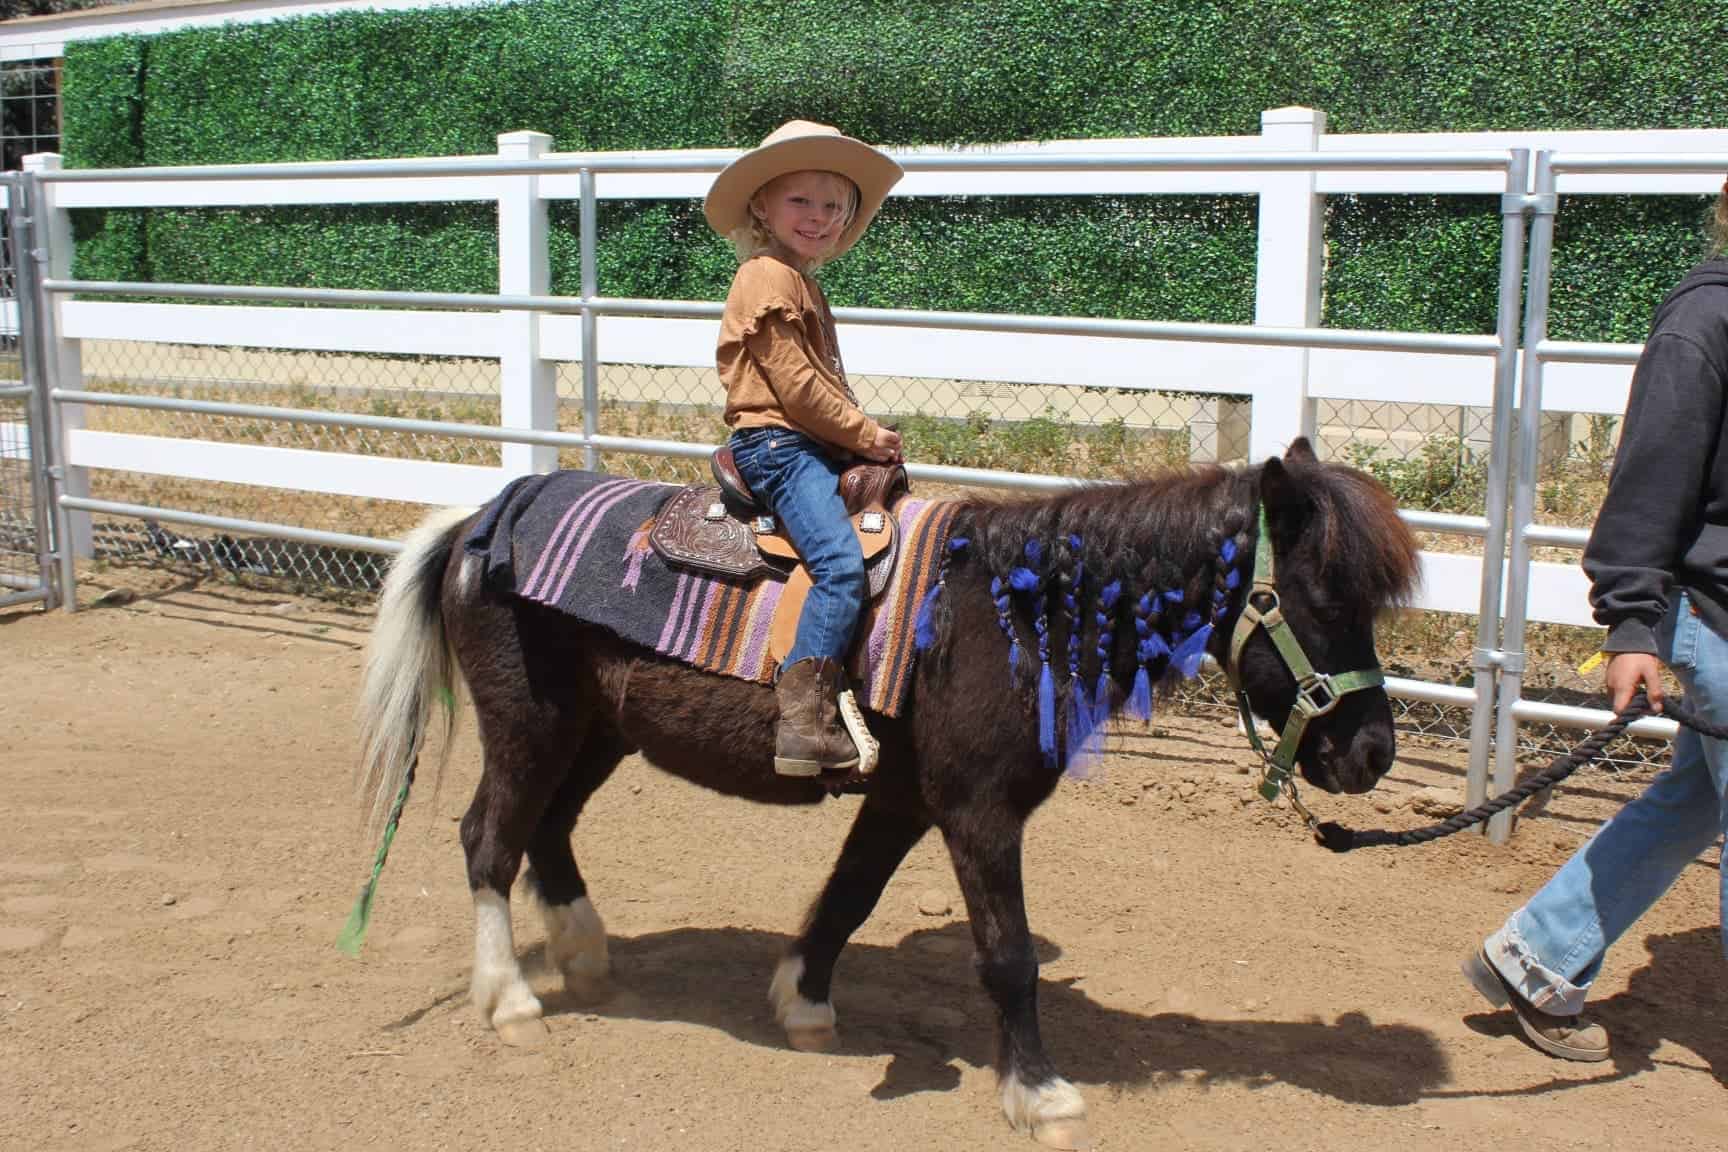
(409,665)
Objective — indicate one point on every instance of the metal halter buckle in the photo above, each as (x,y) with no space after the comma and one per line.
(1316,686)
(716,511)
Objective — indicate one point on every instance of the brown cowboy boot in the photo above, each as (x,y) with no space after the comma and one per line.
(810,739)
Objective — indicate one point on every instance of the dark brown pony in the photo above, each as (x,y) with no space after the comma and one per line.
(561,702)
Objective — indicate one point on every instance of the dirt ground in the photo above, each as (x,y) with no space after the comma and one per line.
(181,850)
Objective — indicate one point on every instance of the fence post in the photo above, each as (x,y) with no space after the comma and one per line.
(1527,462)
(62,359)
(1489,661)
(588,226)
(27,303)
(527,385)
(1292,238)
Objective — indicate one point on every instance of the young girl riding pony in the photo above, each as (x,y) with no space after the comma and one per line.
(798,200)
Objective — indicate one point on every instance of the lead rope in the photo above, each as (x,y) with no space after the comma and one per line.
(1338,838)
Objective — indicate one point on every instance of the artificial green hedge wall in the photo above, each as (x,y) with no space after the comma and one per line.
(622,74)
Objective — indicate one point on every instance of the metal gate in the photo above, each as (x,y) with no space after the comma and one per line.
(26,549)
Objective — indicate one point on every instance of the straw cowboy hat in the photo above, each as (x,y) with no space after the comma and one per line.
(800,146)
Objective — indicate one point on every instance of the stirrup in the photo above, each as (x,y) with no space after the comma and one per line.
(852,716)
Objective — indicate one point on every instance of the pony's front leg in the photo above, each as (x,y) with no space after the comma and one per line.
(986,856)
(881,836)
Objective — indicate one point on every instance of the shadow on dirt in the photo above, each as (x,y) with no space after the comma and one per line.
(919,1003)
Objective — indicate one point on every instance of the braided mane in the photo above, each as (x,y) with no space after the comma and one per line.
(1106,591)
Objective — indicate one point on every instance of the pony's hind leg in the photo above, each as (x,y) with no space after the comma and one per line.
(575,936)
(986,851)
(800,993)
(526,765)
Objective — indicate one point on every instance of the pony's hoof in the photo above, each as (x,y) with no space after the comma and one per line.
(1070,1133)
(815,1038)
(1052,1112)
(809,1026)
(529,1033)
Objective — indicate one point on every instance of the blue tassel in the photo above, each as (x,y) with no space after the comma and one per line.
(1153,648)
(958,544)
(1140,700)
(1108,595)
(1034,552)
(1227,552)
(1005,622)
(1079,741)
(924,632)
(1047,714)
(1023,580)
(1188,654)
(1099,724)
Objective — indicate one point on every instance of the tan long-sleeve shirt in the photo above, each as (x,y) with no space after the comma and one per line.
(779,359)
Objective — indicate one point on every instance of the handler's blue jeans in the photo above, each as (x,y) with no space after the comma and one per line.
(1551,949)
(800,483)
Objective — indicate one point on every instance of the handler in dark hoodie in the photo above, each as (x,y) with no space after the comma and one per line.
(1658,565)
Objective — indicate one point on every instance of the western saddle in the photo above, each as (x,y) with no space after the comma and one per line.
(720,530)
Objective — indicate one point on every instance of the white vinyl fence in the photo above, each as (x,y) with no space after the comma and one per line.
(1276,372)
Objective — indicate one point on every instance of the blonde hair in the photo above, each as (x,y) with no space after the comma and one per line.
(1719,223)
(752,238)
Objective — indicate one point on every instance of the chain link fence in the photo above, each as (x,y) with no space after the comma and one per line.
(1433,458)
(1097,433)
(19,569)
(445,389)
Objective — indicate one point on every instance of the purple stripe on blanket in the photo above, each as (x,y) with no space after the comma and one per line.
(577,511)
(679,591)
(876,644)
(611,501)
(692,600)
(703,619)
(761,624)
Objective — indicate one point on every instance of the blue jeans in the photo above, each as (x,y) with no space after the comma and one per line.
(800,483)
(1551,949)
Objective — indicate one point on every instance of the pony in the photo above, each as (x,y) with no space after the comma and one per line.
(1054,614)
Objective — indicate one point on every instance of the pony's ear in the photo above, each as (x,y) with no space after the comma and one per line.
(1301,452)
(1288,505)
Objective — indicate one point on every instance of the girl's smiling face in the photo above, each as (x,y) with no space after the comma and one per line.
(805,212)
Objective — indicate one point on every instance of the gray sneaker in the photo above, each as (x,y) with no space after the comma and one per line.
(1568,1037)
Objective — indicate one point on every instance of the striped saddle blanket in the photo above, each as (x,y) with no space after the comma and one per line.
(578,542)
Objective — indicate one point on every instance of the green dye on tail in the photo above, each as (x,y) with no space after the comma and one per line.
(354,932)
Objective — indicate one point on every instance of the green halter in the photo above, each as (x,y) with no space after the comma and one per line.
(1317,693)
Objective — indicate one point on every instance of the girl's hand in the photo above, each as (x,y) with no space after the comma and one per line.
(885,449)
(1626,671)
